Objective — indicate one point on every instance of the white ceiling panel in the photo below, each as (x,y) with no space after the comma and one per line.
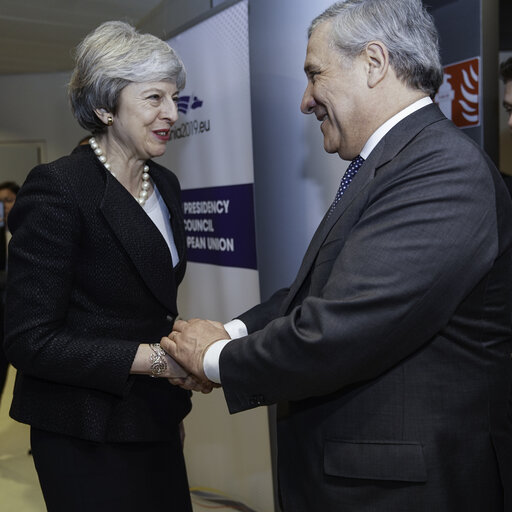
(39,35)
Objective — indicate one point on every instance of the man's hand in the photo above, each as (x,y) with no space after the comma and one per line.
(188,341)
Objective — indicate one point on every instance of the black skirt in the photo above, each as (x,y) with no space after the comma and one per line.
(84,476)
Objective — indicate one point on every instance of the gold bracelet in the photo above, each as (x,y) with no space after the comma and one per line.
(157,358)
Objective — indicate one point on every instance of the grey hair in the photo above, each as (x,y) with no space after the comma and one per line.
(111,57)
(404,27)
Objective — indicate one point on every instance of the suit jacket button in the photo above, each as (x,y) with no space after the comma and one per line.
(170,318)
(256,400)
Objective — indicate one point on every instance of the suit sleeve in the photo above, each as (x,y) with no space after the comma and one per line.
(259,316)
(425,236)
(46,226)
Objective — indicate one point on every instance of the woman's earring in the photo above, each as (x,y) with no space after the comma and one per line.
(110,120)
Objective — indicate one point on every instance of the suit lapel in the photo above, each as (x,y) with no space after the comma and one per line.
(358,183)
(172,200)
(392,143)
(141,240)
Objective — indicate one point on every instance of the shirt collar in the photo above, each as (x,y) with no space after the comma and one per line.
(379,133)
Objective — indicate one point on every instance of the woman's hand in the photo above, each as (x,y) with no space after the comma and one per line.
(174,370)
(192,384)
(152,360)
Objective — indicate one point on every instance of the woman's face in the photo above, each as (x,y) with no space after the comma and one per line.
(7,196)
(146,112)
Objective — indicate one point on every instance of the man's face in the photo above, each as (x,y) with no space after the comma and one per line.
(336,93)
(507,102)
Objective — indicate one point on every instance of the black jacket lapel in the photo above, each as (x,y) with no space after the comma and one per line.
(171,196)
(142,241)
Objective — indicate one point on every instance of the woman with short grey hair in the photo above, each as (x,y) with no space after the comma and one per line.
(96,256)
(111,57)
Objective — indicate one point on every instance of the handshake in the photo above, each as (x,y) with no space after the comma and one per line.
(187,345)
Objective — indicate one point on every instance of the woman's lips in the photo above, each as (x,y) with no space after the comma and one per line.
(162,134)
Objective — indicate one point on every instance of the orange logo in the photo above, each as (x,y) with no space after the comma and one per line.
(459,95)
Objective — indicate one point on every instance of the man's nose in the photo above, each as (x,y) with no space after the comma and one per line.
(308,102)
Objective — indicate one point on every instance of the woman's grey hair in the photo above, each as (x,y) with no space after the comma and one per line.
(406,29)
(111,57)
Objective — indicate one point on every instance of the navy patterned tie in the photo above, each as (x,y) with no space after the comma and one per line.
(345,181)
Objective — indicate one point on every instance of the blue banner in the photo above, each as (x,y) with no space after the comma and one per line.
(219,225)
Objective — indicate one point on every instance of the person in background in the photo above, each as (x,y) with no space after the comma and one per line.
(8,191)
(506,76)
(390,356)
(95,260)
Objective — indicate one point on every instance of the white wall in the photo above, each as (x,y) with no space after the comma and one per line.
(35,108)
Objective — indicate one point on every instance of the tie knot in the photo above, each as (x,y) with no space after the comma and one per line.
(353,168)
(357,162)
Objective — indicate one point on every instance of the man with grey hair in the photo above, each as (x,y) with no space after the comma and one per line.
(390,355)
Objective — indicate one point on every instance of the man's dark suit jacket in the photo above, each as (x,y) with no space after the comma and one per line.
(390,355)
(91,277)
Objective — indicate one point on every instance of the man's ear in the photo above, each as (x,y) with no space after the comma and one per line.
(377,57)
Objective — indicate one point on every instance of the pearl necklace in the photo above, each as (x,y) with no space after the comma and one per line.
(144,186)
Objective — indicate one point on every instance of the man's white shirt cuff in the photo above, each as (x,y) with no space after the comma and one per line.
(236,329)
